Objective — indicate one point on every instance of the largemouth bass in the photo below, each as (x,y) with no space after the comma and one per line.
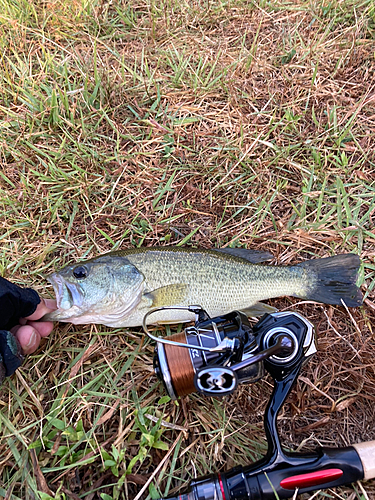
(117,289)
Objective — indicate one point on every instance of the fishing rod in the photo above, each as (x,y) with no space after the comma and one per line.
(213,357)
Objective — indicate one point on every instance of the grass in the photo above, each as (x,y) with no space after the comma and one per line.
(180,122)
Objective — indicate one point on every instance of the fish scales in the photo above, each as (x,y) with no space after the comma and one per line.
(119,288)
(214,282)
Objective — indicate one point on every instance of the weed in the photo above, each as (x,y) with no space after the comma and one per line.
(204,123)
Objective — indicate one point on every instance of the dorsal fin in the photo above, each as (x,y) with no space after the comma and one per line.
(253,256)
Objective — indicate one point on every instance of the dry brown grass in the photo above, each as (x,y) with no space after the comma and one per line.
(208,123)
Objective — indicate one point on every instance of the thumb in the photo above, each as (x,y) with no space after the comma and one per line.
(45,306)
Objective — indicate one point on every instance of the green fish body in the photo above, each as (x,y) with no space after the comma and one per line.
(117,289)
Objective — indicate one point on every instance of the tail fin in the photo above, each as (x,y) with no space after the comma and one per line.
(333,279)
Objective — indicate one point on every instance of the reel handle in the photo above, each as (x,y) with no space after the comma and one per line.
(216,380)
(279,474)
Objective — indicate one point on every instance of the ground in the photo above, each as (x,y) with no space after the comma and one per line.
(198,123)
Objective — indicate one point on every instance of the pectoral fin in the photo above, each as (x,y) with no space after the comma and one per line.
(169,295)
(258,309)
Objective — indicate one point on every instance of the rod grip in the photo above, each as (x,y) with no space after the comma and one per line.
(366,453)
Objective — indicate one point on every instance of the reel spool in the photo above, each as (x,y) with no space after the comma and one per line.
(216,354)
(216,342)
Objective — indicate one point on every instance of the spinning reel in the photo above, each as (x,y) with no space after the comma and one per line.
(216,354)
(213,357)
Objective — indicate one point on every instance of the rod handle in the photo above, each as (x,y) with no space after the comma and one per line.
(366,453)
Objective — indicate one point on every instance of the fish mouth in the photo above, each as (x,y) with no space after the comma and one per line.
(58,287)
(68,296)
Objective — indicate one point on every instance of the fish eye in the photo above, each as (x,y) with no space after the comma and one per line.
(80,272)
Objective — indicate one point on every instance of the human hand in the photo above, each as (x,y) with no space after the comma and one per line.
(24,338)
(30,331)
(20,330)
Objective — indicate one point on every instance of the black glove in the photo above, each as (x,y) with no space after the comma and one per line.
(11,356)
(15,303)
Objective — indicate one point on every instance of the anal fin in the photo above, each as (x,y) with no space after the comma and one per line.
(258,309)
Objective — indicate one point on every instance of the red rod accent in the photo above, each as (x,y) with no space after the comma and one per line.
(221,486)
(311,479)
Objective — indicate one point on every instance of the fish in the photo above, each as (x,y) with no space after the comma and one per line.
(117,289)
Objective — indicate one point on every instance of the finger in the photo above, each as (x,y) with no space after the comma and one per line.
(29,338)
(44,328)
(45,306)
